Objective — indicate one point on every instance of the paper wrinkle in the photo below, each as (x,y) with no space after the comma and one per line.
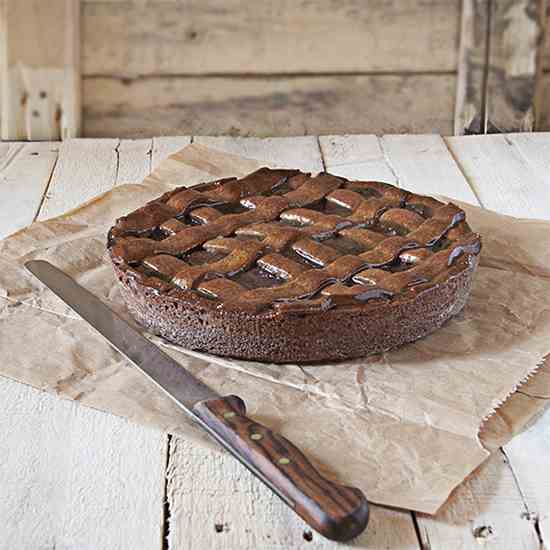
(408,419)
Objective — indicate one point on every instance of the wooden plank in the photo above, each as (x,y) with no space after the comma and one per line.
(71,110)
(73,477)
(134,160)
(529,455)
(41,92)
(3,59)
(423,165)
(85,169)
(485,511)
(8,151)
(25,171)
(163,147)
(268,106)
(240,511)
(543,119)
(501,177)
(515,66)
(169,38)
(356,157)
(535,149)
(301,153)
(546,46)
(471,80)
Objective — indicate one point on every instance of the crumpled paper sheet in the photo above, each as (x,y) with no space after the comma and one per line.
(403,426)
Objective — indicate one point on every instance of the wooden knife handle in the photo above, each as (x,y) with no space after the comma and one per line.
(336,511)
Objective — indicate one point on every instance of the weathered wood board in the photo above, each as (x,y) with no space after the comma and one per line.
(73,477)
(264,106)
(544,109)
(263,37)
(514,64)
(40,75)
(486,511)
(501,176)
(423,165)
(471,77)
(25,173)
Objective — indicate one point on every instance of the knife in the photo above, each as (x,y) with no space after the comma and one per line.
(335,511)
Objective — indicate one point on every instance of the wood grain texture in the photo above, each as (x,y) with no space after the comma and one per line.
(500,175)
(241,512)
(134,160)
(333,510)
(86,168)
(356,157)
(217,504)
(163,147)
(265,106)
(40,69)
(543,119)
(300,153)
(25,172)
(528,455)
(535,149)
(471,79)
(206,37)
(423,164)
(485,511)
(3,62)
(515,65)
(73,477)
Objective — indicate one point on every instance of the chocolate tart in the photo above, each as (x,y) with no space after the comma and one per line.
(283,266)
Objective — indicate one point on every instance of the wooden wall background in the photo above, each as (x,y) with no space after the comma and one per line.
(137,68)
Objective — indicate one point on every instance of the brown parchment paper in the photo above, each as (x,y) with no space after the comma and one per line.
(403,426)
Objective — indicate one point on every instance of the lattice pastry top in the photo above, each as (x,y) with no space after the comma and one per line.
(288,240)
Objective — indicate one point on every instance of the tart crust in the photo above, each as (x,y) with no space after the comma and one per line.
(281,266)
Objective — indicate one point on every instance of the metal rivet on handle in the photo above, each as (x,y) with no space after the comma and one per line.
(284,460)
(256,437)
(229,414)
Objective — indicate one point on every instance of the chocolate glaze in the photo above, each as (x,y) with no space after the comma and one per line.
(280,245)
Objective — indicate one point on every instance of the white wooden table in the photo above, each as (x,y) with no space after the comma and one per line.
(76,478)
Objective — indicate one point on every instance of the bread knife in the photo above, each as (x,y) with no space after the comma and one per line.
(335,511)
